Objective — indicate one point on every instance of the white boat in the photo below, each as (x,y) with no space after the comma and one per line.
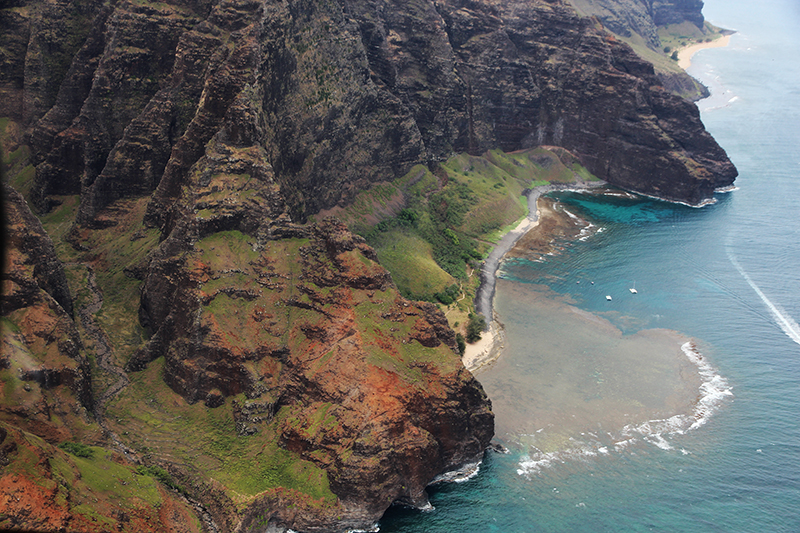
(633,289)
(608,298)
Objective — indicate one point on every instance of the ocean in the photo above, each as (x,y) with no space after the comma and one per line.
(677,408)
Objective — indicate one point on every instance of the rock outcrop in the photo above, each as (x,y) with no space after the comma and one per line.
(303,326)
(41,347)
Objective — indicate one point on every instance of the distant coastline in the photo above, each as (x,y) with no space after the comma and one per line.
(490,346)
(685,54)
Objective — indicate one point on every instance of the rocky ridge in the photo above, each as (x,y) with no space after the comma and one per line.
(352,92)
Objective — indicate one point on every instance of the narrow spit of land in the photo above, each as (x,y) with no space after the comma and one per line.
(489,347)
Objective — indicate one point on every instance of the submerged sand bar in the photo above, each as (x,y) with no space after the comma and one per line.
(578,378)
(490,345)
(566,381)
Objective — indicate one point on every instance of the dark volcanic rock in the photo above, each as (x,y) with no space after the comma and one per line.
(308,327)
(677,11)
(302,322)
(355,92)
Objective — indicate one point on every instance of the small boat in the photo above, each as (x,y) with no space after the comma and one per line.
(608,298)
(633,289)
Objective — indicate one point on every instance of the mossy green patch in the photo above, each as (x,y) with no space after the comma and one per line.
(410,260)
(158,421)
(117,482)
(224,249)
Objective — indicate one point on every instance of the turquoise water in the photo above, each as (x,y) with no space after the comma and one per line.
(728,276)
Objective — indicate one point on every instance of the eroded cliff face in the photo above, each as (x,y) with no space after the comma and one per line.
(49,383)
(354,92)
(197,137)
(304,335)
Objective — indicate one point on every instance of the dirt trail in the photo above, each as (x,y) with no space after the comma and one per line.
(485,293)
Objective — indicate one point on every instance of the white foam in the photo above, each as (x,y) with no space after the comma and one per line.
(713,391)
(574,217)
(538,461)
(782,318)
(587,232)
(464,473)
(374,529)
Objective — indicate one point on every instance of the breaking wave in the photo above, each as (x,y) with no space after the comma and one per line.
(714,389)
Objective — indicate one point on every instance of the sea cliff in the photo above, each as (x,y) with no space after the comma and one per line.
(208,332)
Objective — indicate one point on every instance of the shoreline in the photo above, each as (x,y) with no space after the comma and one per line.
(489,347)
(685,54)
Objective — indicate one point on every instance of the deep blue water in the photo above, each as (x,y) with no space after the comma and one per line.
(727,275)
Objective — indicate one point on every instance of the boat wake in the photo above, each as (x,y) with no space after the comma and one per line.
(779,315)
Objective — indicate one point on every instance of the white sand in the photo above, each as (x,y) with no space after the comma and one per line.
(486,350)
(685,55)
(490,346)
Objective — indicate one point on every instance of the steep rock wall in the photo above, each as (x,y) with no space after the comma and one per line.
(304,323)
(42,352)
(355,92)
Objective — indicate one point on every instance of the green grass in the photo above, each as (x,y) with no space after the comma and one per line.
(157,420)
(119,483)
(456,212)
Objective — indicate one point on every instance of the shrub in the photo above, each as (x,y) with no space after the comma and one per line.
(475,327)
(160,474)
(462,345)
(449,295)
(77,449)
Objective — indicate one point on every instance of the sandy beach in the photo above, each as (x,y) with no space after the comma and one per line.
(685,55)
(489,348)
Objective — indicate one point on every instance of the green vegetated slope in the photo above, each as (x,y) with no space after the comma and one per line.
(77,487)
(431,229)
(677,36)
(204,443)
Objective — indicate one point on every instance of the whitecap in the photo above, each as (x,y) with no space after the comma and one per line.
(460,475)
(714,389)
